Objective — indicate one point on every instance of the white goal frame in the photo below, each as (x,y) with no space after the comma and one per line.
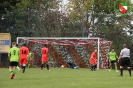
(91,38)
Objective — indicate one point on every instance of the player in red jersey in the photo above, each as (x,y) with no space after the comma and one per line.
(44,59)
(93,60)
(24,51)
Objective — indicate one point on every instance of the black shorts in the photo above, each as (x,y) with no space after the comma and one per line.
(125,62)
(113,61)
(14,63)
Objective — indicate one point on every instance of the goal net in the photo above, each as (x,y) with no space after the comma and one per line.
(78,50)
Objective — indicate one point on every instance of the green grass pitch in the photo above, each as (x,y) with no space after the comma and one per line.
(65,78)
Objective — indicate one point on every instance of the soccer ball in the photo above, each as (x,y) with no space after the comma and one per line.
(62,66)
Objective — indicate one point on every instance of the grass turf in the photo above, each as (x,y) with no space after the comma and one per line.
(65,78)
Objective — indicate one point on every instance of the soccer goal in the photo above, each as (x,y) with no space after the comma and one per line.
(77,49)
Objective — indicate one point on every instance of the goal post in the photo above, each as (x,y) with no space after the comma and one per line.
(100,44)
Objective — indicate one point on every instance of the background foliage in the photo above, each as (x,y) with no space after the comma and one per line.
(77,18)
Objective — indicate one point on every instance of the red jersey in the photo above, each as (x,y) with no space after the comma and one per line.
(93,55)
(44,52)
(24,51)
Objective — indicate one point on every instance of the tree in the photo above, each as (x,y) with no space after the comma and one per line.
(26,17)
(79,13)
(102,20)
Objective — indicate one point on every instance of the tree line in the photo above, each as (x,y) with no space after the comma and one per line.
(77,18)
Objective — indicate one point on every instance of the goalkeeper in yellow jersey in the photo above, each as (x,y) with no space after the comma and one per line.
(30,59)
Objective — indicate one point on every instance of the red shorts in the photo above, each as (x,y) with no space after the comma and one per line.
(23,61)
(44,59)
(93,61)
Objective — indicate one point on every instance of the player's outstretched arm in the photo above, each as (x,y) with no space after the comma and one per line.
(119,58)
